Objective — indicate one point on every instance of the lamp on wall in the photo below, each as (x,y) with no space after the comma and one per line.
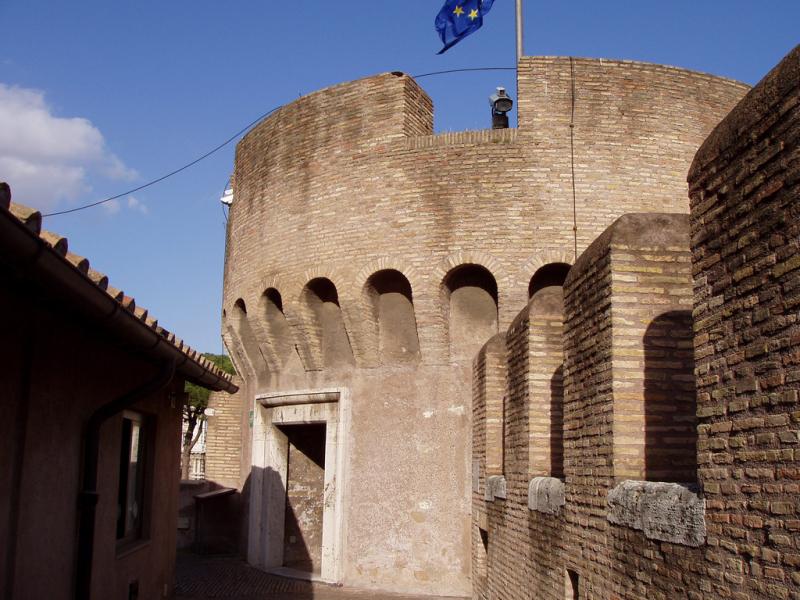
(501,104)
(227,195)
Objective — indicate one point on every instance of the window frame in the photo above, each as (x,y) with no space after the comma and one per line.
(131,534)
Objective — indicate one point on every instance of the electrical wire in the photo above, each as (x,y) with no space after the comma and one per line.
(572,156)
(170,174)
(242,131)
(463,71)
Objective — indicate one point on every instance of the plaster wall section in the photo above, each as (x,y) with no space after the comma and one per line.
(745,211)
(407,511)
(350,181)
(51,398)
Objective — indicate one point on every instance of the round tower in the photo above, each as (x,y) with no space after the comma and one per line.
(368,260)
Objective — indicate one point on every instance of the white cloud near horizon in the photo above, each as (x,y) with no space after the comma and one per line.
(48,159)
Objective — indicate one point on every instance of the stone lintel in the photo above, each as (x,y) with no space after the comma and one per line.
(298,397)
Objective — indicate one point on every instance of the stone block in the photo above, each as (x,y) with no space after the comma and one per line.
(546,495)
(669,512)
(495,488)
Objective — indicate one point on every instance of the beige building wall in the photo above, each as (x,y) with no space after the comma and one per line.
(349,182)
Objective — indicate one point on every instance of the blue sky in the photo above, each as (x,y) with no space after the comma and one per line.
(99,97)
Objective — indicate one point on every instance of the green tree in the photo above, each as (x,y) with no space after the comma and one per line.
(194,411)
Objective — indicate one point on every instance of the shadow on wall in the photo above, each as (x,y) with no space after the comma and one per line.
(211,572)
(216,516)
(393,311)
(280,349)
(549,275)
(471,292)
(322,303)
(670,452)
(305,489)
(557,423)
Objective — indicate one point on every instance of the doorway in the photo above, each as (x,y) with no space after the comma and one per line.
(298,483)
(305,489)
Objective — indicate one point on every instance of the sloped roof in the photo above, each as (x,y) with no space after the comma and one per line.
(189,362)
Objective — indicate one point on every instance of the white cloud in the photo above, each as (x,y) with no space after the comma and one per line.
(48,159)
(111,207)
(135,204)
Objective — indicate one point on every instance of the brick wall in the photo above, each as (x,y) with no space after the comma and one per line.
(516,565)
(324,191)
(628,413)
(224,439)
(745,215)
(655,392)
(588,412)
(536,387)
(349,190)
(479,530)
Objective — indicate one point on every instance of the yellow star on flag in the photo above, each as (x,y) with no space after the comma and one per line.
(473,14)
(458,11)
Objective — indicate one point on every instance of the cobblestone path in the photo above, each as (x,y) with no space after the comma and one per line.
(229,578)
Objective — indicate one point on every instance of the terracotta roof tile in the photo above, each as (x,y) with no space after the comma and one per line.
(129,303)
(99,279)
(57,242)
(116,294)
(80,263)
(32,220)
(30,217)
(5,195)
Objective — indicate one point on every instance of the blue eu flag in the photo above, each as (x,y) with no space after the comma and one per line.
(459,18)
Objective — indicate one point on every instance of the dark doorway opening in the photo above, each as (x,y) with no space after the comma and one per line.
(305,488)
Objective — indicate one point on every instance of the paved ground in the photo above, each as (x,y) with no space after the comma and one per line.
(229,578)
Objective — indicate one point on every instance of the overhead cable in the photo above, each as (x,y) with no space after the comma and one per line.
(239,133)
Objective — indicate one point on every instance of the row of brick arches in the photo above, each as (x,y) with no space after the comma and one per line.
(315,332)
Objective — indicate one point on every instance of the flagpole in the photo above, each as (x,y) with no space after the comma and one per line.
(519,30)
